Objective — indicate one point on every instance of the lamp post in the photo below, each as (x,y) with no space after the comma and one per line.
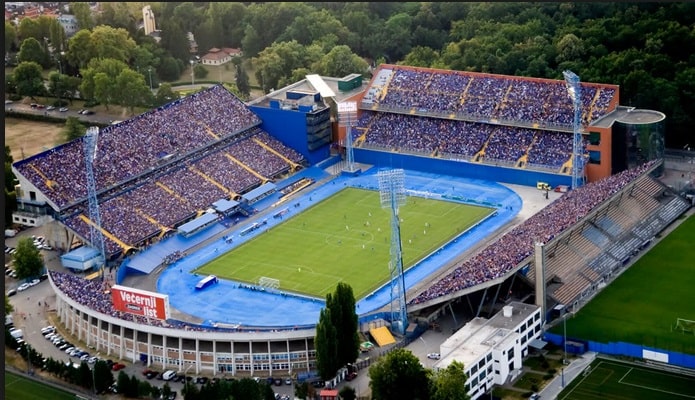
(149,70)
(192,76)
(185,380)
(564,345)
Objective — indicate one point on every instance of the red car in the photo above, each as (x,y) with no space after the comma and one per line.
(351,376)
(117,366)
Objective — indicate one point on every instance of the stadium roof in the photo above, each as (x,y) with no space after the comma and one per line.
(305,85)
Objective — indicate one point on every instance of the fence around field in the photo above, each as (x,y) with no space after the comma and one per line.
(629,350)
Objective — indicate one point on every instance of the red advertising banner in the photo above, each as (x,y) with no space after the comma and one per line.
(140,302)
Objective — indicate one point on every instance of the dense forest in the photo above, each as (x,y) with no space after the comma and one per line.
(648,49)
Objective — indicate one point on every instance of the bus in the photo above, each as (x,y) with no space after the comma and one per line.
(207,281)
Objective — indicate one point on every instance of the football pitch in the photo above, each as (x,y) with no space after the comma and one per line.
(643,305)
(19,388)
(612,380)
(344,238)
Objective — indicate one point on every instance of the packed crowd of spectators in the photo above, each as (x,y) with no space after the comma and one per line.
(139,144)
(95,294)
(462,139)
(162,201)
(490,97)
(512,248)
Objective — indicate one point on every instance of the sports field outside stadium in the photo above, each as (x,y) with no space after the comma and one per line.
(613,380)
(344,238)
(643,305)
(20,388)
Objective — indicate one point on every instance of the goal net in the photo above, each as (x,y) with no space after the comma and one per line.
(269,283)
(684,326)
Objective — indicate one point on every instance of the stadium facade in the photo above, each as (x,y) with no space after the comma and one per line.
(164,168)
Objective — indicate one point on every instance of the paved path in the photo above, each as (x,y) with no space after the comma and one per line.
(570,372)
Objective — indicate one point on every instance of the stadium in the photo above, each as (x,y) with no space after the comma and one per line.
(282,198)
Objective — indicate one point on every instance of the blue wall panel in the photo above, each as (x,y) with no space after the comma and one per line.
(289,127)
(627,349)
(384,159)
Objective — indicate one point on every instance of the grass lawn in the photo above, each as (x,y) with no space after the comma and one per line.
(20,388)
(607,380)
(344,238)
(642,305)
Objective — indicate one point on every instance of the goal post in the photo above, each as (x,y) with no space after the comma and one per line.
(684,326)
(267,282)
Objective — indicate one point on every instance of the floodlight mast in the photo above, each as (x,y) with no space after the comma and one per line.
(347,116)
(392,196)
(575,93)
(90,151)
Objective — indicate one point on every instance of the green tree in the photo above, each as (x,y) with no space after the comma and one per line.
(29,28)
(73,129)
(347,393)
(344,317)
(114,43)
(341,61)
(10,194)
(31,50)
(450,383)
(8,306)
(28,79)
(399,375)
(10,36)
(242,81)
(165,94)
(133,90)
(174,40)
(28,261)
(326,342)
(80,49)
(83,15)
(103,377)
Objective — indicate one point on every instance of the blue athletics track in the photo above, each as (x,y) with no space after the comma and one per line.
(237,304)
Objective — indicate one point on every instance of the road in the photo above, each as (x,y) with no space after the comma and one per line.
(100,118)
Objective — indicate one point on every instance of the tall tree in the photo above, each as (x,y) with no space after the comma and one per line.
(83,15)
(10,36)
(242,81)
(450,383)
(103,377)
(10,195)
(28,79)
(341,61)
(31,50)
(28,261)
(326,345)
(399,375)
(8,306)
(344,317)
(73,129)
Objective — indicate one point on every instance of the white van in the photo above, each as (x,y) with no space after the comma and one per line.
(169,375)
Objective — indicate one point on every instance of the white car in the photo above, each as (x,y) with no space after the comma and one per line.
(93,360)
(34,282)
(434,356)
(23,287)
(48,329)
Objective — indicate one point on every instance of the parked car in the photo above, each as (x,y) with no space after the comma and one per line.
(63,109)
(34,282)
(288,381)
(48,329)
(351,376)
(11,292)
(117,367)
(92,360)
(149,374)
(24,286)
(434,356)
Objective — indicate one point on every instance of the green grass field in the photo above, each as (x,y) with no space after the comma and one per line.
(345,238)
(20,388)
(612,380)
(643,304)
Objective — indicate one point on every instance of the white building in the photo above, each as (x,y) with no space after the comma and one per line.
(491,350)
(69,24)
(148,21)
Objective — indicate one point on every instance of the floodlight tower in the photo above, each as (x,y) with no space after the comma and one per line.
(575,92)
(392,196)
(347,117)
(90,150)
